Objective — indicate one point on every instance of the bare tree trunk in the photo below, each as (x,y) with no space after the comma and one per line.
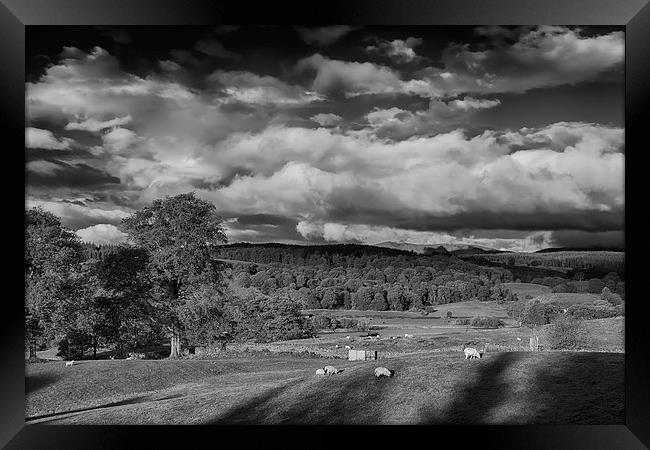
(94,347)
(175,344)
(32,352)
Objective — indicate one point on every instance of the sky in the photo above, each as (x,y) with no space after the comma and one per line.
(505,137)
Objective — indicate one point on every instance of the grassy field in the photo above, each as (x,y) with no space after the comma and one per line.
(501,388)
(568,299)
(524,289)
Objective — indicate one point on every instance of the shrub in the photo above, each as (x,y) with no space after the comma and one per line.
(353,324)
(462,321)
(539,313)
(607,295)
(486,322)
(599,309)
(321,322)
(567,333)
(449,314)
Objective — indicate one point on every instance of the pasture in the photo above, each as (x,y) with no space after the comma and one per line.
(524,289)
(428,388)
(568,299)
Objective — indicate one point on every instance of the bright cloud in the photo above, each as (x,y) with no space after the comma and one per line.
(400,51)
(94,125)
(37,138)
(102,233)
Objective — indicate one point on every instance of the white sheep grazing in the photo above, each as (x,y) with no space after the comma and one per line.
(320,371)
(408,335)
(347,337)
(69,363)
(471,353)
(331,370)
(383,372)
(348,347)
(130,357)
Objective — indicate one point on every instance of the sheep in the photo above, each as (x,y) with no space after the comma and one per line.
(130,357)
(347,337)
(331,370)
(349,347)
(320,371)
(69,363)
(471,353)
(408,335)
(383,372)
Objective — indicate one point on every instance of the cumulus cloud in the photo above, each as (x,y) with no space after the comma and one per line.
(351,78)
(396,123)
(327,119)
(248,143)
(248,87)
(400,51)
(78,215)
(38,138)
(94,125)
(544,56)
(323,36)
(564,171)
(102,233)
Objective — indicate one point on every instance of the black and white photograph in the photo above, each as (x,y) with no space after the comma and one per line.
(340,224)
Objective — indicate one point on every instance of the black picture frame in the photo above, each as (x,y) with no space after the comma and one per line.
(16,15)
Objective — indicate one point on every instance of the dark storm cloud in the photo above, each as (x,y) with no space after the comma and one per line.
(412,220)
(266,219)
(43,173)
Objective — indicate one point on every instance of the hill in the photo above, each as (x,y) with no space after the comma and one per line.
(580,249)
(524,289)
(502,388)
(437,248)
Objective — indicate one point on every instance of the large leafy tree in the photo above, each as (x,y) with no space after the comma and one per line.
(180,233)
(53,255)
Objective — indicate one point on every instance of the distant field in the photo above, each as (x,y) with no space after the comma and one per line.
(524,289)
(605,260)
(568,299)
(502,388)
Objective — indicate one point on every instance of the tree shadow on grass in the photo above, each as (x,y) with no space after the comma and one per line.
(35,382)
(563,388)
(477,399)
(128,401)
(579,388)
(352,397)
